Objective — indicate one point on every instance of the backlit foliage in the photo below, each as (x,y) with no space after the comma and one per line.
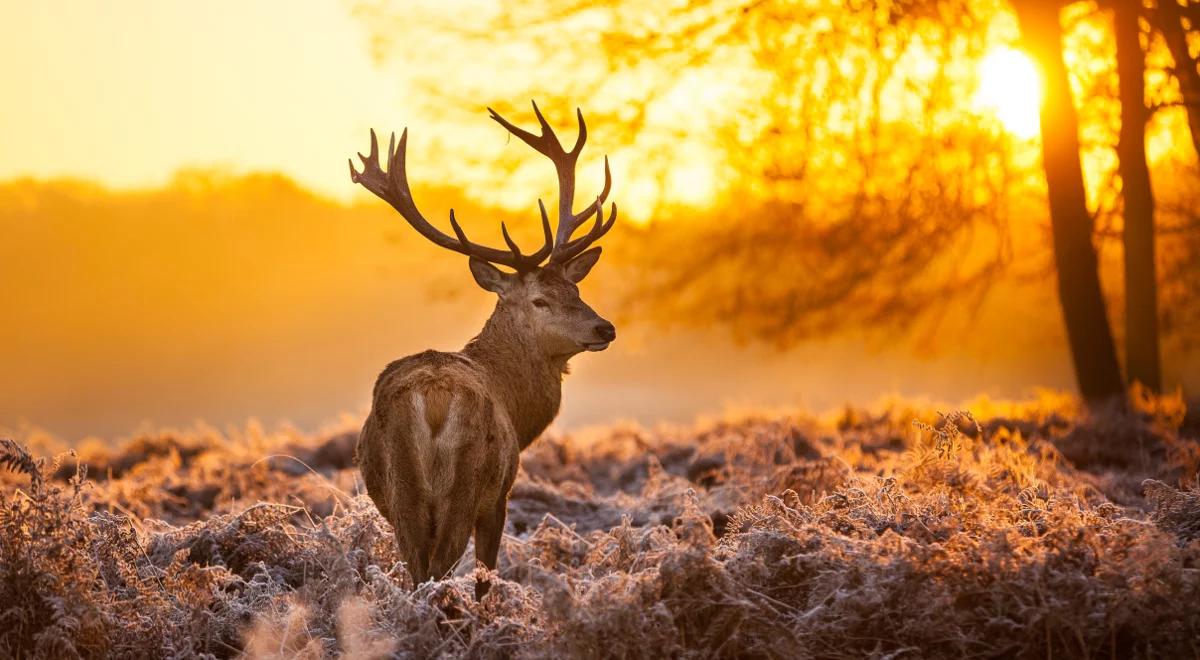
(816,166)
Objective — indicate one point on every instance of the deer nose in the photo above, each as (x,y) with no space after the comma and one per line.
(606,331)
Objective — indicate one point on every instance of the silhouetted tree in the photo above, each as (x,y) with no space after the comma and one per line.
(1141,283)
(1175,21)
(1178,23)
(1092,350)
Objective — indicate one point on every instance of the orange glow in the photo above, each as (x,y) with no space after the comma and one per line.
(220,263)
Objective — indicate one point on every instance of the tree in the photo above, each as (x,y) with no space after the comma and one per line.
(1141,283)
(1173,21)
(1092,350)
(861,192)
(1178,24)
(854,192)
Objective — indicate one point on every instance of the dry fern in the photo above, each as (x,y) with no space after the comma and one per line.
(753,537)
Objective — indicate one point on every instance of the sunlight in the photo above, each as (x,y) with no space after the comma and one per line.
(1010,88)
(693,183)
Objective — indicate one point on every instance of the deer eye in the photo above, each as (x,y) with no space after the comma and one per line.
(540,303)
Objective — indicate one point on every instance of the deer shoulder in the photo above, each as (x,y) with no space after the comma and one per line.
(428,410)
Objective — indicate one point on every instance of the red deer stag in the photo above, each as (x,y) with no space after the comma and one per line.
(439,450)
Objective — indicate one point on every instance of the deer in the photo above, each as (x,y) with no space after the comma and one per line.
(439,450)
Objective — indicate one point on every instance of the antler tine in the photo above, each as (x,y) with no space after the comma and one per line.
(392,187)
(548,134)
(600,228)
(578,219)
(547,143)
(579,141)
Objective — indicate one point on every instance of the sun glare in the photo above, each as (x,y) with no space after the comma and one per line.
(1010,88)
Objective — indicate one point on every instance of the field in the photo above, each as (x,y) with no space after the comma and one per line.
(1026,529)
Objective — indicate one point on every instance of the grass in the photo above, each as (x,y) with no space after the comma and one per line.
(1007,529)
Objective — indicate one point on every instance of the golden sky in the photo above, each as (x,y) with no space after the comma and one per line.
(221,297)
(127,92)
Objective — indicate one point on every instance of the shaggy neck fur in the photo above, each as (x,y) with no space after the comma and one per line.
(527,381)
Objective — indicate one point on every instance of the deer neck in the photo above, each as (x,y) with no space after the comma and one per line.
(525,380)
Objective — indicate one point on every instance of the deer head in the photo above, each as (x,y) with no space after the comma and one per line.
(539,294)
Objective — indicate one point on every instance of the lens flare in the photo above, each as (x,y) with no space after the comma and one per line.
(1010,88)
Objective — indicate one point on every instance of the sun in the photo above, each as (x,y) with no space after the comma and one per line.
(1010,87)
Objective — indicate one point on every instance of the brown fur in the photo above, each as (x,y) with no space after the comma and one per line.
(439,450)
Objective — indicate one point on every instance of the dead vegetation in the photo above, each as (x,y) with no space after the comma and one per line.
(1014,530)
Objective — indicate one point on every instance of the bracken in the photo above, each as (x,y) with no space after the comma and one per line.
(862,534)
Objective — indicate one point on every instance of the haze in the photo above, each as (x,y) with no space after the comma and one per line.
(181,241)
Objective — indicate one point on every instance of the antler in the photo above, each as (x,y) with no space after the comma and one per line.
(392,187)
(564,161)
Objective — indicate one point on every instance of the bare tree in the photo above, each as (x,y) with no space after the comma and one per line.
(1141,282)
(860,194)
(1175,20)
(1092,349)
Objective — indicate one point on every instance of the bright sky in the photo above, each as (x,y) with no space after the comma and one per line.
(128,92)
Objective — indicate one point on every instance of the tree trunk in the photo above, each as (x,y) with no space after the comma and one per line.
(1170,23)
(1141,285)
(1088,333)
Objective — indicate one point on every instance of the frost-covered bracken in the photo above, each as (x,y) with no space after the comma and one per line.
(1000,530)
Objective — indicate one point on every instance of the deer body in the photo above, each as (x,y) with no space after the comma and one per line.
(438,457)
(440,447)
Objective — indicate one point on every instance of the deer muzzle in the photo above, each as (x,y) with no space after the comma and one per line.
(606,333)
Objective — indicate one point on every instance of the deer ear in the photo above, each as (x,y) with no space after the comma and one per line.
(489,277)
(578,268)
